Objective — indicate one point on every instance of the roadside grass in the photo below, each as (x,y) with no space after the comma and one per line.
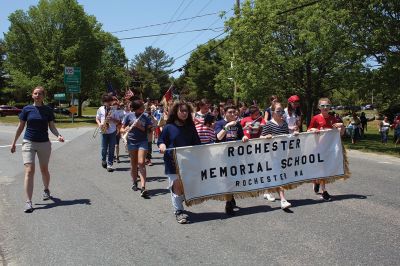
(372,142)
(89,111)
(62,121)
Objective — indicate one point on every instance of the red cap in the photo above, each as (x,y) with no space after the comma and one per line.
(294,98)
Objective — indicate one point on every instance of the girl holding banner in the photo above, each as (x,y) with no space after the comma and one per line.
(320,122)
(179,131)
(277,126)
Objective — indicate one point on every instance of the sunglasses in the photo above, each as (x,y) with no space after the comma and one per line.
(281,112)
(325,105)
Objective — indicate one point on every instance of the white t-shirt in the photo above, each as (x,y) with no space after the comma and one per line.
(291,120)
(384,126)
(101,115)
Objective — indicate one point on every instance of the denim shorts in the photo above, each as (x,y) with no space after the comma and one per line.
(138,146)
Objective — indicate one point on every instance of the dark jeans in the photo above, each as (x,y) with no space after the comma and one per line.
(384,136)
(108,147)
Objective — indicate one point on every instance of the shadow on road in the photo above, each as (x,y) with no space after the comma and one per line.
(304,202)
(56,202)
(158,192)
(210,216)
(122,169)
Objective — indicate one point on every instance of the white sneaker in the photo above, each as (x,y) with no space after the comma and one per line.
(285,204)
(269,197)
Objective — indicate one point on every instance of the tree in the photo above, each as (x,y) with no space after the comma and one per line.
(304,51)
(112,71)
(50,36)
(152,71)
(202,68)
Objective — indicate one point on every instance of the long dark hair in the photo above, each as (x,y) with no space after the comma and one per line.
(173,113)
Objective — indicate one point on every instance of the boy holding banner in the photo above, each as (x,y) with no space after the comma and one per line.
(229,129)
(320,122)
(179,131)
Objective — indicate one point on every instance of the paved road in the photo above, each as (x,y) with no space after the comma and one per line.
(96,219)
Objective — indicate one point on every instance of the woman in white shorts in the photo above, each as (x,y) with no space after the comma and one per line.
(38,118)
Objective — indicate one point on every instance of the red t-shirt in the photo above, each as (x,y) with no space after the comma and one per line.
(256,127)
(318,122)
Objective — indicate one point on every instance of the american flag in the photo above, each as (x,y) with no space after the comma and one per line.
(128,94)
(167,96)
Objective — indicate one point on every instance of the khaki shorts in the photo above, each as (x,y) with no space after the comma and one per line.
(30,148)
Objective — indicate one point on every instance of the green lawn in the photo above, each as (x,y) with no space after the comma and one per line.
(62,121)
(372,142)
(89,111)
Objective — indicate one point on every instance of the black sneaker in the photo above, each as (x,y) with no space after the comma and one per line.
(181,218)
(229,208)
(326,196)
(46,194)
(144,193)
(104,164)
(28,207)
(316,188)
(134,186)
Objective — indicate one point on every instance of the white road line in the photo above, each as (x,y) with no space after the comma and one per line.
(19,144)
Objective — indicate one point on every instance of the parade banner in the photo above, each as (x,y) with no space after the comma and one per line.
(252,168)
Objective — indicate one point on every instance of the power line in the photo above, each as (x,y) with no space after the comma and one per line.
(198,35)
(298,7)
(170,33)
(169,22)
(173,16)
(219,44)
(190,21)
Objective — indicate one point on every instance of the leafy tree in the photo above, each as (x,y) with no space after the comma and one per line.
(204,65)
(304,51)
(151,72)
(50,36)
(2,59)
(376,30)
(112,71)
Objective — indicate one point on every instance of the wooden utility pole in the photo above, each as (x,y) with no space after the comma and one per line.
(235,98)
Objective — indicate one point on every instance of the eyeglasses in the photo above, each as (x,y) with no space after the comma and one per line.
(280,112)
(325,105)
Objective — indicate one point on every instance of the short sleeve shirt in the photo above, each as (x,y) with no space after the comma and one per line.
(233,132)
(321,122)
(37,119)
(256,126)
(136,135)
(275,129)
(102,113)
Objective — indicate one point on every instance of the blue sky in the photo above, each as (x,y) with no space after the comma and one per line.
(126,14)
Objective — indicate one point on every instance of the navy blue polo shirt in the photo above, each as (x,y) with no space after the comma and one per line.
(37,120)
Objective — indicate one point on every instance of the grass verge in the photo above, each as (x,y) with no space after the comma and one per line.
(62,121)
(372,142)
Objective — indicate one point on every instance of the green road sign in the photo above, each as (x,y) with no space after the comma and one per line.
(73,88)
(72,75)
(59,97)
